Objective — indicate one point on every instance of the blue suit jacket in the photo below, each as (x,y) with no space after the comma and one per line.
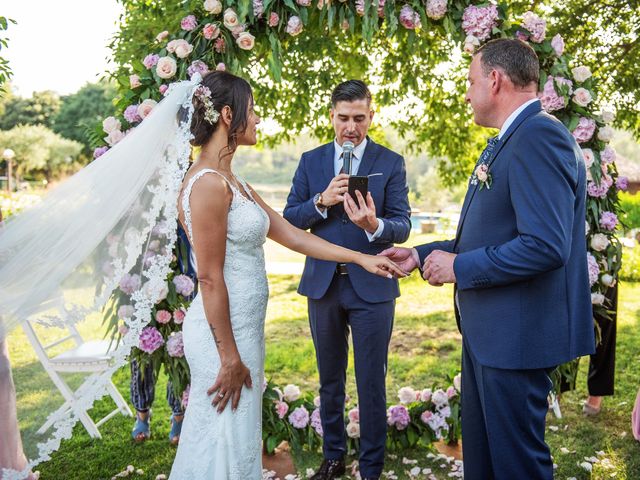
(521,269)
(390,195)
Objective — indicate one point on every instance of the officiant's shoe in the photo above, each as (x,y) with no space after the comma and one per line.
(329,470)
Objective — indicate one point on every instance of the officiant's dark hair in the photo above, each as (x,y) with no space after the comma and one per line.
(350,91)
(514,57)
(226,89)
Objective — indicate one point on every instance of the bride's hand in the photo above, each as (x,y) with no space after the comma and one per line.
(381,266)
(231,378)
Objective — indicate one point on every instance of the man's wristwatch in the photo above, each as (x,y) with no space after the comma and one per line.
(317,201)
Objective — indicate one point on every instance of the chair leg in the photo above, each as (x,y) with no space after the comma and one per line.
(117,397)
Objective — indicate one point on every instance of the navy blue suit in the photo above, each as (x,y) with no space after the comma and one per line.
(523,297)
(360,300)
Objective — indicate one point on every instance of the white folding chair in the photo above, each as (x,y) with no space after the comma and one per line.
(91,357)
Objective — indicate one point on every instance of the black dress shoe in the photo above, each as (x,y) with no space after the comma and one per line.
(329,470)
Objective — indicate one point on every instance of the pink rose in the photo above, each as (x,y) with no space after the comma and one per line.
(482,172)
(197,67)
(219,45)
(585,130)
(111,124)
(163,317)
(125,311)
(294,26)
(114,137)
(144,109)
(166,67)
(150,60)
(581,74)
(274,19)
(221,67)
(178,316)
(409,18)
(246,41)
(281,409)
(163,89)
(582,97)
(211,31)
(123,329)
(354,415)
(589,157)
(162,36)
(189,23)
(557,43)
(231,19)
(183,48)
(213,6)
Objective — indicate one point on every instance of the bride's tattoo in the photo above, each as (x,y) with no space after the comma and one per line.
(213,331)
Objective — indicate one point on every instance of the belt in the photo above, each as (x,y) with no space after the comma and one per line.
(341,269)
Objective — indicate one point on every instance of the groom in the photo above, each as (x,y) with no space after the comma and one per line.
(343,297)
(519,265)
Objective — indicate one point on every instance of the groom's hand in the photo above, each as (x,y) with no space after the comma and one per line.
(438,268)
(364,213)
(406,258)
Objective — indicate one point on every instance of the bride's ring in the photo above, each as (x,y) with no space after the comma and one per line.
(221,395)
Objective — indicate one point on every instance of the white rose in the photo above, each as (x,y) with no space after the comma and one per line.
(407,395)
(114,137)
(213,6)
(589,157)
(605,134)
(110,124)
(470,43)
(294,26)
(134,81)
(171,46)
(587,229)
(145,107)
(581,74)
(599,242)
(166,67)
(582,97)
(457,382)
(481,173)
(608,116)
(230,19)
(597,298)
(291,393)
(353,430)
(316,401)
(246,41)
(162,35)
(425,395)
(183,49)
(607,280)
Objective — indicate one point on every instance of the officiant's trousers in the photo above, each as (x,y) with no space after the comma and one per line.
(331,318)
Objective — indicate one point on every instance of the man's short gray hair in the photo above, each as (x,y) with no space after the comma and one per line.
(514,57)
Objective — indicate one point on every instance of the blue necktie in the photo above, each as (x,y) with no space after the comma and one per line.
(485,156)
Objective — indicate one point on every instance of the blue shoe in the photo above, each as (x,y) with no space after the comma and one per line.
(141,429)
(176,428)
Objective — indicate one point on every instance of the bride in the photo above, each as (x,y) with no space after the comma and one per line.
(227,223)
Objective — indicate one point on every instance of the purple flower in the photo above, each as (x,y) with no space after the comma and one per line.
(98,152)
(549,96)
(185,396)
(557,43)
(150,340)
(175,345)
(131,114)
(436,9)
(593,268)
(440,398)
(189,23)
(608,155)
(622,183)
(130,283)
(535,25)
(316,423)
(398,416)
(435,422)
(184,285)
(150,61)
(585,130)
(597,191)
(409,18)
(299,418)
(609,221)
(258,8)
(480,21)
(197,67)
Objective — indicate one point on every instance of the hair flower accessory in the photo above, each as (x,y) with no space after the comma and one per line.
(203,94)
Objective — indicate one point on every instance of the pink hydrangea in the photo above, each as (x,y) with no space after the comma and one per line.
(435,422)
(436,9)
(274,19)
(131,114)
(258,8)
(549,96)
(608,221)
(98,152)
(130,283)
(219,45)
(185,396)
(184,285)
(585,130)
(294,26)
(535,25)
(281,409)
(175,345)
(150,60)
(197,67)
(409,18)
(557,43)
(439,398)
(150,340)
(622,183)
(597,191)
(316,422)
(480,21)
(163,316)
(398,416)
(593,268)
(299,418)
(178,316)
(189,23)
(608,155)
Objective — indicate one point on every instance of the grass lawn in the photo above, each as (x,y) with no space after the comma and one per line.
(425,348)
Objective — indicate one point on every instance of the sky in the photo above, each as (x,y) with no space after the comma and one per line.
(58,45)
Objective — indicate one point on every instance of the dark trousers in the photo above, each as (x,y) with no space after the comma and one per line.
(503,421)
(371,324)
(602,364)
(143,389)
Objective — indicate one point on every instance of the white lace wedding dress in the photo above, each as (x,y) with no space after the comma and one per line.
(227,446)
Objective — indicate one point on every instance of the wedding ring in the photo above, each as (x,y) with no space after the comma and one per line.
(221,395)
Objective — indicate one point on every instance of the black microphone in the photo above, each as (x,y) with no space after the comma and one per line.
(347,156)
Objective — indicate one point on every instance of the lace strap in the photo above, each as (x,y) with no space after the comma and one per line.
(186,196)
(245,187)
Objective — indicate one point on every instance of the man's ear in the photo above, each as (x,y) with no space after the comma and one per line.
(496,80)
(331,114)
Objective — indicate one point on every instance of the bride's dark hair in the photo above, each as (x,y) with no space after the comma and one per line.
(226,90)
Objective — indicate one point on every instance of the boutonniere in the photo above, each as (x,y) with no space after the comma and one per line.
(482,175)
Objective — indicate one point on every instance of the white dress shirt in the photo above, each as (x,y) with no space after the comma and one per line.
(507,123)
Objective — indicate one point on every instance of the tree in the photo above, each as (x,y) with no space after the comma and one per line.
(40,109)
(5,70)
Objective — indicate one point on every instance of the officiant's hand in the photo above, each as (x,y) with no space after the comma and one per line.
(438,268)
(334,193)
(406,258)
(364,213)
(233,375)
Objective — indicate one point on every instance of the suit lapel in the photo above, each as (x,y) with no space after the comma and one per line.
(526,113)
(327,162)
(368,158)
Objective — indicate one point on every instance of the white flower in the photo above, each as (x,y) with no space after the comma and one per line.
(607,280)
(440,398)
(110,124)
(415,471)
(166,67)
(581,74)
(587,229)
(470,44)
(425,395)
(582,97)
(481,172)
(353,430)
(457,382)
(145,107)
(213,6)
(134,81)
(246,41)
(599,242)
(316,401)
(587,466)
(183,48)
(291,393)
(589,157)
(230,19)
(407,395)
(605,133)
(597,298)
(608,116)
(114,137)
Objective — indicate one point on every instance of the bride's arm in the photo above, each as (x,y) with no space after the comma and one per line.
(311,245)
(210,200)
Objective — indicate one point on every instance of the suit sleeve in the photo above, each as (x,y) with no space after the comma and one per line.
(425,249)
(397,211)
(300,210)
(542,182)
